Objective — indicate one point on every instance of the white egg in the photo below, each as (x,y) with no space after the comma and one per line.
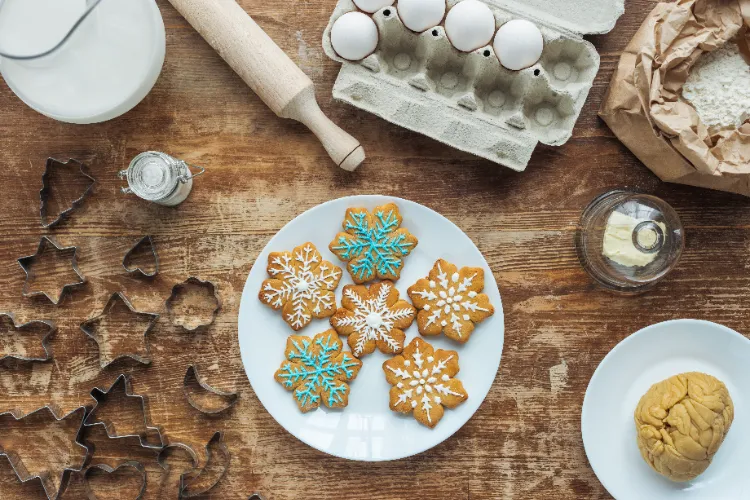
(372,6)
(354,36)
(421,15)
(470,25)
(518,44)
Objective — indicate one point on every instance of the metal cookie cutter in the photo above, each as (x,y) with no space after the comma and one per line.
(26,263)
(8,324)
(208,285)
(198,482)
(53,487)
(132,464)
(147,436)
(209,402)
(89,328)
(44,193)
(146,240)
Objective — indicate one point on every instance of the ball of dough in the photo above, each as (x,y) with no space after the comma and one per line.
(470,25)
(421,15)
(681,423)
(354,36)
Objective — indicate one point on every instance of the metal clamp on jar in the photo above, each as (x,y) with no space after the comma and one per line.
(160,178)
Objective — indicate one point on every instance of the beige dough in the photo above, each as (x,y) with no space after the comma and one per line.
(681,423)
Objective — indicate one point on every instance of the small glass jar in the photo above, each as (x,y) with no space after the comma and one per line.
(628,242)
(160,178)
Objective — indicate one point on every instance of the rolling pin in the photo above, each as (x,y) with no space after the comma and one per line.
(268,71)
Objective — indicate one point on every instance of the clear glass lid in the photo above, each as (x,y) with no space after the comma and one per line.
(628,242)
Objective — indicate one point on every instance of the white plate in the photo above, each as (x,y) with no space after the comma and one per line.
(628,371)
(367,429)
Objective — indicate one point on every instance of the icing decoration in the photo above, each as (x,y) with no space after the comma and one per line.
(423,383)
(373,244)
(301,285)
(374,317)
(316,370)
(449,301)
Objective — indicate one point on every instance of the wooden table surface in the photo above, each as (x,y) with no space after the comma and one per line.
(524,442)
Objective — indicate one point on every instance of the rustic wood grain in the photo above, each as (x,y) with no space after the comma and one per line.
(524,442)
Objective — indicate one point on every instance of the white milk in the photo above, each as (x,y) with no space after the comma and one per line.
(107,67)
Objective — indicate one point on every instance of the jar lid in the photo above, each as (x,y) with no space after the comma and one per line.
(628,242)
(154,176)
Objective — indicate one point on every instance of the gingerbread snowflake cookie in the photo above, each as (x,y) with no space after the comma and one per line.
(374,244)
(302,285)
(422,382)
(373,317)
(317,371)
(449,301)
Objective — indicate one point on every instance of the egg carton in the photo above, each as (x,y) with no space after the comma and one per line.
(469,100)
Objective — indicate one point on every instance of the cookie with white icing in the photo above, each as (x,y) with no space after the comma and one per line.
(450,301)
(373,243)
(422,382)
(302,285)
(373,317)
(317,371)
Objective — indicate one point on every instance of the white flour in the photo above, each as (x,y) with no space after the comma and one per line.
(718,87)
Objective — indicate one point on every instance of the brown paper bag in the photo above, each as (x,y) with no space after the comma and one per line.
(642,106)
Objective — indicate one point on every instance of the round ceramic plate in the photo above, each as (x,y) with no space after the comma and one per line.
(628,371)
(367,429)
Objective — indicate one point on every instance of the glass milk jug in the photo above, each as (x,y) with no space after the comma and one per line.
(81,61)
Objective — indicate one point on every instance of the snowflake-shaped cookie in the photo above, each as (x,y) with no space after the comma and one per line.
(301,285)
(374,317)
(374,244)
(449,301)
(423,383)
(317,370)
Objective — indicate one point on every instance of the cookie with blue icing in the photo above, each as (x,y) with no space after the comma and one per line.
(373,243)
(317,371)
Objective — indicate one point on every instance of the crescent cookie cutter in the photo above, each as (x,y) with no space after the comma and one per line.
(53,487)
(198,482)
(101,397)
(138,271)
(212,401)
(180,287)
(131,464)
(45,192)
(26,264)
(8,324)
(88,327)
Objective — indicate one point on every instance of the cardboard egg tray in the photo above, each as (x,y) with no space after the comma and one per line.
(468,100)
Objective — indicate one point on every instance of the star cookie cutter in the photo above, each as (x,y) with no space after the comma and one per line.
(45,193)
(26,262)
(101,397)
(131,464)
(7,319)
(208,285)
(137,271)
(51,490)
(88,327)
(210,402)
(198,482)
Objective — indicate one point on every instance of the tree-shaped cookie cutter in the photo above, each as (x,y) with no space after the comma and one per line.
(137,271)
(49,325)
(224,400)
(45,193)
(22,473)
(26,263)
(88,327)
(208,285)
(101,396)
(131,464)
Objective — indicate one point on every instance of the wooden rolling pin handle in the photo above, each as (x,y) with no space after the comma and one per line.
(343,149)
(267,69)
